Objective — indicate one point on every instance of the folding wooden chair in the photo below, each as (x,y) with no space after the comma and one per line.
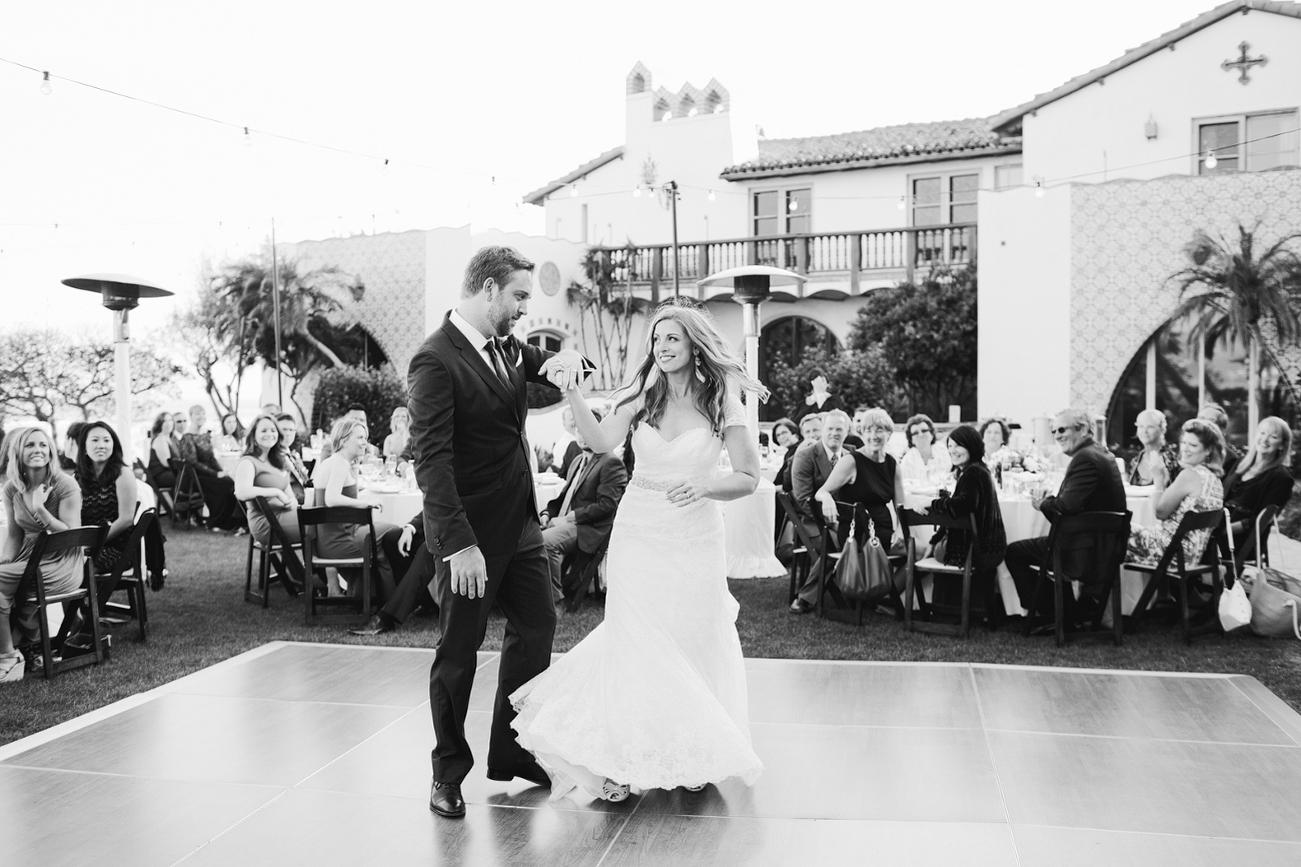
(308,521)
(31,587)
(1255,548)
(802,558)
(134,583)
(935,568)
(278,546)
(579,573)
(187,493)
(1184,574)
(1110,533)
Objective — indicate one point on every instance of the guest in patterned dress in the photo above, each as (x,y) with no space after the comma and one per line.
(263,471)
(1152,449)
(38,497)
(108,493)
(1197,488)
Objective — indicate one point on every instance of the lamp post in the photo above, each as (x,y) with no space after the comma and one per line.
(121,294)
(751,286)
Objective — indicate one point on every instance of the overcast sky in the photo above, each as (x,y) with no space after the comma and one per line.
(498,98)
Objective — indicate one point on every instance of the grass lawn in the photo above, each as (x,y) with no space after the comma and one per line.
(200,618)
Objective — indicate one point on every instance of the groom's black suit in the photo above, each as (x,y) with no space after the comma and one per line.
(472,465)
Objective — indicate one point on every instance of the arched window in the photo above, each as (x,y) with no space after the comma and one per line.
(789,339)
(549,340)
(1176,374)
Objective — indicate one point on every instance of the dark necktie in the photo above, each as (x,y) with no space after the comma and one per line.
(573,482)
(497,354)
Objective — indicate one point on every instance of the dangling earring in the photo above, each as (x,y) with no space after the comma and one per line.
(700,375)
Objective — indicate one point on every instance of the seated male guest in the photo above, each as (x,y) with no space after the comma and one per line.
(811,467)
(582,514)
(1092,484)
(413,570)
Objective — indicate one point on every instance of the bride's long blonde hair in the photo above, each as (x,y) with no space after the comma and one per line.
(715,365)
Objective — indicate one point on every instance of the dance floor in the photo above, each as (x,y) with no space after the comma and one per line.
(319,755)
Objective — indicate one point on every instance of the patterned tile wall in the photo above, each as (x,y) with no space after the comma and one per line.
(1127,238)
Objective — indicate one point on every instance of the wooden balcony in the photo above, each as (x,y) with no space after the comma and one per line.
(838,264)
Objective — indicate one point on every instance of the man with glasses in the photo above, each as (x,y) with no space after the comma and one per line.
(1092,484)
(811,467)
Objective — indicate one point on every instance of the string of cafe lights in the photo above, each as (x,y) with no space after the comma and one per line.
(1040,185)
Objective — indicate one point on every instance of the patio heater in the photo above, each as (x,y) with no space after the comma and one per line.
(120,294)
(751,286)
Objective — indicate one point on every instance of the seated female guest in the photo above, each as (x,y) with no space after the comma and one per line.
(1155,451)
(231,432)
(1197,488)
(68,460)
(38,497)
(108,491)
(868,476)
(163,451)
(299,479)
(995,435)
(400,425)
(787,438)
(1260,479)
(973,494)
(923,459)
(262,472)
(336,485)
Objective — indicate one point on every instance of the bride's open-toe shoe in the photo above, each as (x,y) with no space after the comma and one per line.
(614,792)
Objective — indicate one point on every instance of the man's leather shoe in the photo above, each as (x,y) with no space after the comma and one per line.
(532,772)
(799,606)
(445,800)
(378,625)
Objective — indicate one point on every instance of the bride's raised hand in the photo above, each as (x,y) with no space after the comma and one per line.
(686,493)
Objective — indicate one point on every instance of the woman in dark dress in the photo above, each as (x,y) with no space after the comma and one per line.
(973,494)
(1260,479)
(108,490)
(785,436)
(868,476)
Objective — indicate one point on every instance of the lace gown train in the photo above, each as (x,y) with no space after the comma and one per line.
(655,696)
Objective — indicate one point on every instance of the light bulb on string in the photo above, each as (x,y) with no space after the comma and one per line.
(794,205)
(1039,189)
(248,139)
(46,87)
(636,192)
(712,197)
(384,168)
(1211,161)
(573,191)
(902,204)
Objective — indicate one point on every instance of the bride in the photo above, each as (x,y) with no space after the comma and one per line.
(655,696)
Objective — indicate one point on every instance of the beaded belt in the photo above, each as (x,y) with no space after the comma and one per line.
(651,484)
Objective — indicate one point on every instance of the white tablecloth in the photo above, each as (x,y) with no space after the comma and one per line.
(402,506)
(1021,520)
(748,531)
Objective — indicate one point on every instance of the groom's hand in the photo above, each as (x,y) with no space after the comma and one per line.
(564,369)
(469,573)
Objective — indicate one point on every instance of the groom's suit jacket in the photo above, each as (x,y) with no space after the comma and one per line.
(467,438)
(596,498)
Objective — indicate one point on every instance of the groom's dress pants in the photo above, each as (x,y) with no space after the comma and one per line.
(520,584)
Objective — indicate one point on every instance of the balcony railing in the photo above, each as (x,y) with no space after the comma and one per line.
(832,256)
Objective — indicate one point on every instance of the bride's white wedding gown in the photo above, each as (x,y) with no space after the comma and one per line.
(655,696)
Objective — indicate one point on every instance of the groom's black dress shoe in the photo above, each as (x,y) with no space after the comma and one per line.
(532,772)
(445,800)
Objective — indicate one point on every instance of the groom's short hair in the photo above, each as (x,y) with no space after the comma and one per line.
(495,263)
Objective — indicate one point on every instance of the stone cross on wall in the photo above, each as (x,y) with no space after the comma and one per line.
(1244,63)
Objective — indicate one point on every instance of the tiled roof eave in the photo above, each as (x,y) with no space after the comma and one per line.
(808,167)
(539,195)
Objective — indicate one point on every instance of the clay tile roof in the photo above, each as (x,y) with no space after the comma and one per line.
(1008,119)
(538,196)
(883,145)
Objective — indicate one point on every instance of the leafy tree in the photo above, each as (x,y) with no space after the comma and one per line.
(44,372)
(200,336)
(608,310)
(379,390)
(854,378)
(1234,291)
(318,316)
(927,333)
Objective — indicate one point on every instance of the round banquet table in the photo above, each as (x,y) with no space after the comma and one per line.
(1021,520)
(402,504)
(748,533)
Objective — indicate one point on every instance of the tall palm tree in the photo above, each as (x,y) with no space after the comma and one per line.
(1232,291)
(609,308)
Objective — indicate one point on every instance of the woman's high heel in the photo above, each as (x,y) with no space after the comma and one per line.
(614,792)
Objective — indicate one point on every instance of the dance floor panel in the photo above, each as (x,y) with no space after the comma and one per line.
(319,754)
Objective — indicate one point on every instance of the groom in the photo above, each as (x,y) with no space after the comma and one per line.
(468,405)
